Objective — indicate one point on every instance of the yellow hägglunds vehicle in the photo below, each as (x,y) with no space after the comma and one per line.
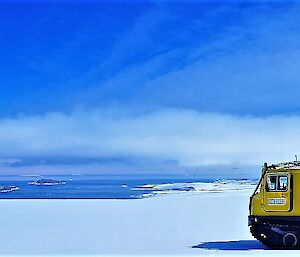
(275,206)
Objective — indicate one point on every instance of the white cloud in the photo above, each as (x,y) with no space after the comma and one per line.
(191,138)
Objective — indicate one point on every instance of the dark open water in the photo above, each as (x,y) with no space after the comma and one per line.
(90,186)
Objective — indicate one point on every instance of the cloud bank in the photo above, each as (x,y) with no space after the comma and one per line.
(186,137)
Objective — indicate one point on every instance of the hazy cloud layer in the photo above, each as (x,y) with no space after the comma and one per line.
(182,136)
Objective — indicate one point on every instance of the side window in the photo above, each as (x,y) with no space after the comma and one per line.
(277,183)
(271,182)
(282,184)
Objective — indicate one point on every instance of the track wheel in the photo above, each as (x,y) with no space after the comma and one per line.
(290,240)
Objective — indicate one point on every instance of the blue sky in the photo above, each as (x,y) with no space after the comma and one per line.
(132,85)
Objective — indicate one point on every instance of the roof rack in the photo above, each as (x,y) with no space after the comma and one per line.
(286,165)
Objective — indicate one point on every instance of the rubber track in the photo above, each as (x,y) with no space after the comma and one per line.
(271,226)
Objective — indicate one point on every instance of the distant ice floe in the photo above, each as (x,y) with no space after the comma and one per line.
(217,186)
(7,189)
(46,182)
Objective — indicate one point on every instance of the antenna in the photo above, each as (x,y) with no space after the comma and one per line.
(296,157)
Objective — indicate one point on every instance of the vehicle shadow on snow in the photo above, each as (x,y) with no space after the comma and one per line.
(241,245)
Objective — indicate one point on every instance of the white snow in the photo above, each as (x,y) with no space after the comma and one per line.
(199,187)
(210,224)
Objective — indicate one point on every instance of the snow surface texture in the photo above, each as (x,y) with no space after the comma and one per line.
(191,223)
